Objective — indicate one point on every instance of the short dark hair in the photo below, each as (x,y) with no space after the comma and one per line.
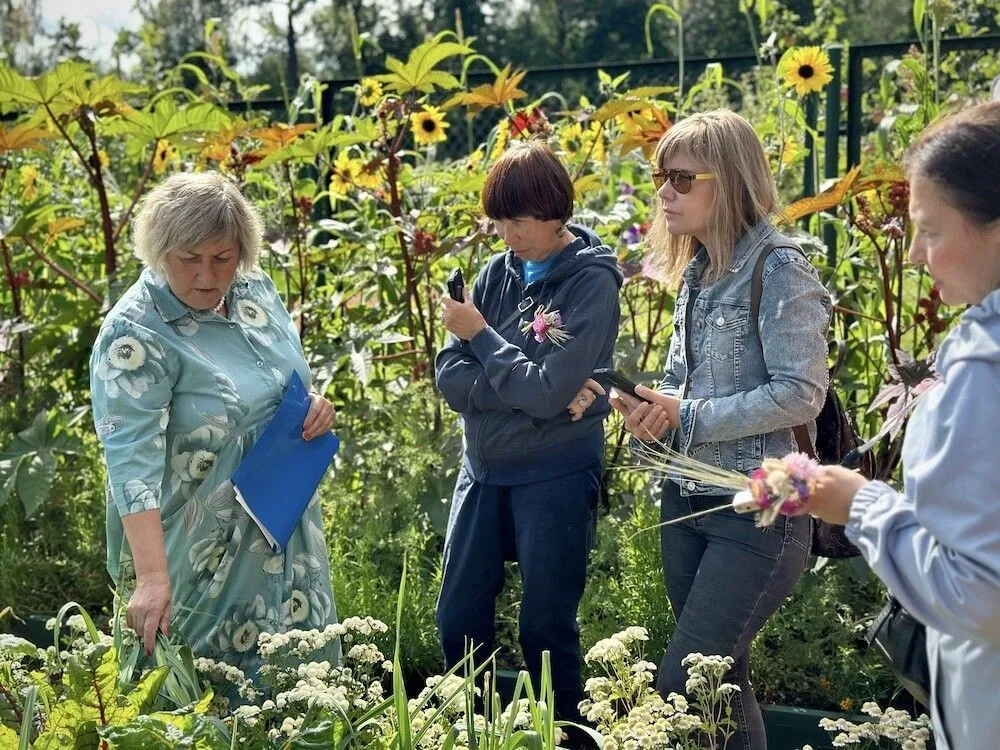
(528,180)
(961,154)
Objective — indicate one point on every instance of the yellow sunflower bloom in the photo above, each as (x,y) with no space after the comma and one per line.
(571,138)
(29,177)
(369,175)
(369,92)
(166,154)
(790,151)
(345,175)
(429,126)
(806,69)
(576,139)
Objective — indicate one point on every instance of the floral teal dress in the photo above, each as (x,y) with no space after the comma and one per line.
(179,397)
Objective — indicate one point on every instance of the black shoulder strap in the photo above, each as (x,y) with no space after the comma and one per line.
(801,432)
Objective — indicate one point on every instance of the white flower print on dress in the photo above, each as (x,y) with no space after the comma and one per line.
(238,631)
(160,439)
(254,321)
(274,562)
(140,496)
(131,365)
(206,554)
(193,456)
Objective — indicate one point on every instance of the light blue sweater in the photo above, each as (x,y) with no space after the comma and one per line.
(937,547)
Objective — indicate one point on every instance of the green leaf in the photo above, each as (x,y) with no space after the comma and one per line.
(321,736)
(44,89)
(9,464)
(34,480)
(361,364)
(418,73)
(153,732)
(8,737)
(919,11)
(167,119)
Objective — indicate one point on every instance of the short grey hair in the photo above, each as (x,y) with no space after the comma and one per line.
(191,209)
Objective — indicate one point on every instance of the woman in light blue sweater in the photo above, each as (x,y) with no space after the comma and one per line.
(937,546)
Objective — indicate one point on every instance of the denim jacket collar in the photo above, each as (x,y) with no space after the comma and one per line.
(747,247)
(749,243)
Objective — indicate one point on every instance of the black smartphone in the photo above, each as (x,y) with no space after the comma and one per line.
(611,379)
(456,285)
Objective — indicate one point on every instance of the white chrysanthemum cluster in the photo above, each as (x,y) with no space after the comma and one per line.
(630,713)
(891,724)
(219,671)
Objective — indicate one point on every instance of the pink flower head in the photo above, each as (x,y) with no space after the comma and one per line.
(540,327)
(801,467)
(758,488)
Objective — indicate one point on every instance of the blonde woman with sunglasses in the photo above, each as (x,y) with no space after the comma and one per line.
(733,391)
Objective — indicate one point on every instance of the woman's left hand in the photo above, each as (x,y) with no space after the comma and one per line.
(585,399)
(831,499)
(320,418)
(462,318)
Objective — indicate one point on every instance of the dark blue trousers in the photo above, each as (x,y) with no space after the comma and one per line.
(724,578)
(547,527)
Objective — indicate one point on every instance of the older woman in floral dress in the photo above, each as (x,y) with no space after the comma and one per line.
(188,368)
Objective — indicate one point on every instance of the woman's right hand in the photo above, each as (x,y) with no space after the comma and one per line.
(149,608)
(648,421)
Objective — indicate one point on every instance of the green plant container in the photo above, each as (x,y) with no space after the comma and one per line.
(789,728)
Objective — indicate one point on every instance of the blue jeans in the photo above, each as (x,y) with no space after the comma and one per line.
(547,527)
(724,578)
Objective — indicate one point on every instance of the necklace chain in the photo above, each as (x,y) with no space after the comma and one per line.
(219,306)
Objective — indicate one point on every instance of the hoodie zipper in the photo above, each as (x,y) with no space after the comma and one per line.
(523,306)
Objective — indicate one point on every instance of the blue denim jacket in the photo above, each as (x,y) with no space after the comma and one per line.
(742,393)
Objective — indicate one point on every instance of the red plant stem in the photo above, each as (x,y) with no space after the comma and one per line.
(887,301)
(138,193)
(15,294)
(298,250)
(598,136)
(100,709)
(394,355)
(93,169)
(13,704)
(63,272)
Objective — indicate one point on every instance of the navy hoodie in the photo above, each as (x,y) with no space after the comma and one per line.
(512,391)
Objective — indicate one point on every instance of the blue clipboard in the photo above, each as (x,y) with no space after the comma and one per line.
(279,475)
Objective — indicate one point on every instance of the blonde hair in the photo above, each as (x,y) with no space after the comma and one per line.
(189,210)
(745,191)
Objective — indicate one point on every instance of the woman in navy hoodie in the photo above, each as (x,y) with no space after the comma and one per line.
(542,315)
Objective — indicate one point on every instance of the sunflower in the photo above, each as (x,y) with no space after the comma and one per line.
(345,174)
(369,175)
(429,126)
(589,140)
(166,153)
(369,92)
(807,69)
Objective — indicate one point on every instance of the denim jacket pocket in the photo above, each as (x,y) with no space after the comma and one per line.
(727,327)
(750,453)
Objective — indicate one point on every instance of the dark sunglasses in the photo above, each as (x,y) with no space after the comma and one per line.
(679,179)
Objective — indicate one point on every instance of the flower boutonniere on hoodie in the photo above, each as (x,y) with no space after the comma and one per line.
(546,325)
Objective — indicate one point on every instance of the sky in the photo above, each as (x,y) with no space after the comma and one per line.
(100,21)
